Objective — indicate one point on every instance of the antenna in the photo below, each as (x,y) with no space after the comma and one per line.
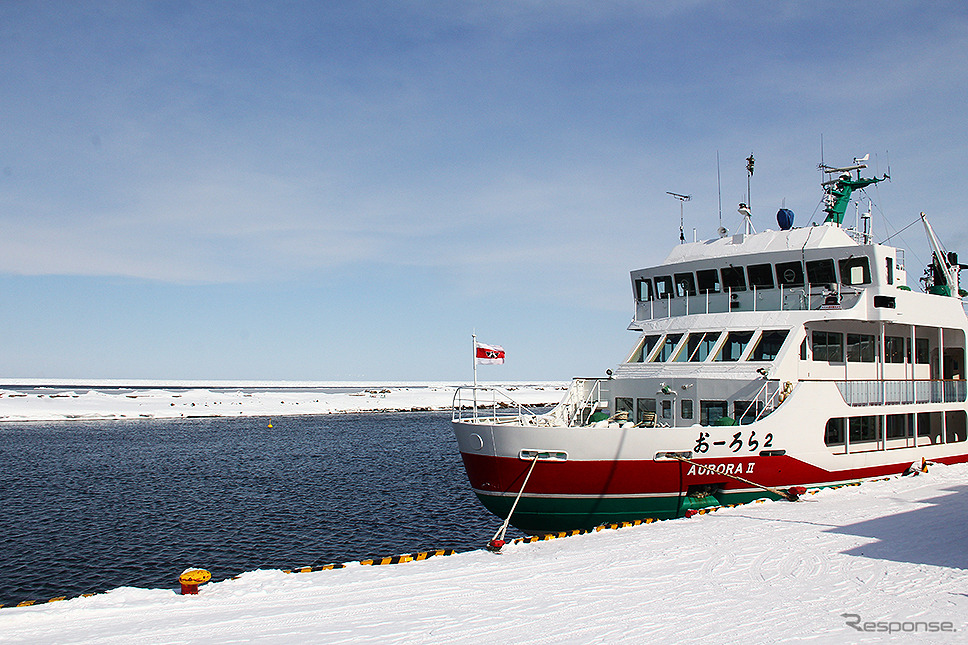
(719,187)
(682,199)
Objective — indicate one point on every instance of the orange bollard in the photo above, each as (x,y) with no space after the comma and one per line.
(191,578)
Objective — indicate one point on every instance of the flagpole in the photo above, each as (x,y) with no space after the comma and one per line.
(474,358)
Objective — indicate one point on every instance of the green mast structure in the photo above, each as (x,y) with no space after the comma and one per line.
(838,191)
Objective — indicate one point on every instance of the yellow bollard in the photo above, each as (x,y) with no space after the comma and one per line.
(191,578)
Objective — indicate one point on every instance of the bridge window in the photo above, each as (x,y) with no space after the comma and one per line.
(855,271)
(733,347)
(685,285)
(760,275)
(768,346)
(821,272)
(698,347)
(644,349)
(733,278)
(708,281)
(643,290)
(663,287)
(789,274)
(668,345)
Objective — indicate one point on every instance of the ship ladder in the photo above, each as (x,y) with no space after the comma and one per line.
(791,494)
(498,540)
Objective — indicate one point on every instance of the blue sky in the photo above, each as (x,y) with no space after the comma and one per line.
(345,191)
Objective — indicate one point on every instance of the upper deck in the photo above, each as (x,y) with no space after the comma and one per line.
(817,267)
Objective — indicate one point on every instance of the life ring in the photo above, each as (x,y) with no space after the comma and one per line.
(785,391)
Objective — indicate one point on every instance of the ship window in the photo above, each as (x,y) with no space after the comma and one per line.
(734,279)
(862,429)
(667,409)
(708,280)
(921,355)
(643,290)
(624,404)
(697,347)
(828,346)
(665,350)
(644,349)
(789,274)
(733,347)
(821,272)
(894,349)
(663,287)
(746,411)
(803,350)
(644,410)
(890,270)
(954,426)
(760,275)
(711,411)
(685,285)
(686,408)
(860,348)
(768,346)
(855,271)
(834,432)
(899,426)
(703,346)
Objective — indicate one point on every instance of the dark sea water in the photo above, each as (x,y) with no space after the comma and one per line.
(90,506)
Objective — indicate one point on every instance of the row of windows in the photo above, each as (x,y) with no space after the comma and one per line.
(870,428)
(830,346)
(710,412)
(700,346)
(853,271)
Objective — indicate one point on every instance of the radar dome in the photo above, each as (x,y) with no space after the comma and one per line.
(784,217)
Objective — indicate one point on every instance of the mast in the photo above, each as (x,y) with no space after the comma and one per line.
(682,199)
(837,192)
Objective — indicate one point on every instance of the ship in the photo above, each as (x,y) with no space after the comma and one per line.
(765,363)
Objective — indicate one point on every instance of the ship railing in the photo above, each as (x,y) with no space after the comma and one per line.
(763,403)
(581,401)
(906,391)
(491,405)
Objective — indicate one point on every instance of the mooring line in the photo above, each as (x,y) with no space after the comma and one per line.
(498,540)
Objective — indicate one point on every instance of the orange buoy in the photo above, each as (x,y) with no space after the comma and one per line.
(191,578)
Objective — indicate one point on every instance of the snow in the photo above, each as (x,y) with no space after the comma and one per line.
(38,401)
(891,554)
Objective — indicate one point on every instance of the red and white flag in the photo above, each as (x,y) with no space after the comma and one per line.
(489,354)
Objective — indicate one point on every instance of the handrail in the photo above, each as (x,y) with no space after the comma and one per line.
(476,406)
(593,393)
(767,402)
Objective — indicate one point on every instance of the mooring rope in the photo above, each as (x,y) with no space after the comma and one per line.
(498,540)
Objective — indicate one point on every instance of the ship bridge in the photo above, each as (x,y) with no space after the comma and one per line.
(815,267)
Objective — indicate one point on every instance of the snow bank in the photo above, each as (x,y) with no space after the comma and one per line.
(137,400)
(887,558)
